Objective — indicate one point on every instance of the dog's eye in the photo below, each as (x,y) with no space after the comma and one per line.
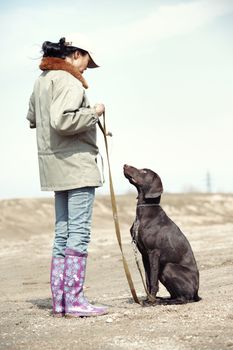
(144,171)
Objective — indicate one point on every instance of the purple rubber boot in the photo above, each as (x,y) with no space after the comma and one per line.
(56,282)
(76,305)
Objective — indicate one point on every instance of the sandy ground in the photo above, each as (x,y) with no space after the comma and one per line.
(26,234)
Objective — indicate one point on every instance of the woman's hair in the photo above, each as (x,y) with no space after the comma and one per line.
(60,49)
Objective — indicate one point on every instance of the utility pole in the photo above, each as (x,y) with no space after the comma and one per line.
(208,182)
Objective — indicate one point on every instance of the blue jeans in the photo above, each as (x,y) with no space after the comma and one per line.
(73,212)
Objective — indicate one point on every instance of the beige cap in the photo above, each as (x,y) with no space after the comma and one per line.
(82,42)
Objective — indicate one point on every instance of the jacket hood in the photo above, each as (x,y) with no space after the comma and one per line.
(55,63)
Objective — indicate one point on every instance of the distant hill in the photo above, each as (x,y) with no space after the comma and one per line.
(21,218)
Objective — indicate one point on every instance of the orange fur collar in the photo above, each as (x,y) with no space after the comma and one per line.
(55,63)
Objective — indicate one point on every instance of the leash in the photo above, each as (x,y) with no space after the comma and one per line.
(115,214)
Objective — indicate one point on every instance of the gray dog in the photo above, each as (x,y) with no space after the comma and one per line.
(166,253)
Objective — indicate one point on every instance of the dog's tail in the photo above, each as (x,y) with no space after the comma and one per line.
(197,298)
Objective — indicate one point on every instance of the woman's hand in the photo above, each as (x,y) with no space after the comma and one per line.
(100,108)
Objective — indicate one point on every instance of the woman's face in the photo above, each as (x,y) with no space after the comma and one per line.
(80,61)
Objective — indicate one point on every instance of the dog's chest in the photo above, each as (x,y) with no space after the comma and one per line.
(145,233)
(134,230)
(138,231)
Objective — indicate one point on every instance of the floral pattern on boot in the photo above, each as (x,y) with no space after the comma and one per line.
(56,282)
(76,304)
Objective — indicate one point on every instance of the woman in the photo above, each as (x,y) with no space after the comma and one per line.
(67,151)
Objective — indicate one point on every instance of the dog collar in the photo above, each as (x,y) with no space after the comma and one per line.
(148,205)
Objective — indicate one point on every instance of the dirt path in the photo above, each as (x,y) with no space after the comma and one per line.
(26,322)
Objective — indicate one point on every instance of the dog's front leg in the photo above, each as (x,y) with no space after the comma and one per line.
(154,271)
(146,264)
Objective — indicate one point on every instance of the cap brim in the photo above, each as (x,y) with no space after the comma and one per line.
(91,63)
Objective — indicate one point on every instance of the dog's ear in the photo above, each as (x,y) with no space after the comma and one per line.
(155,190)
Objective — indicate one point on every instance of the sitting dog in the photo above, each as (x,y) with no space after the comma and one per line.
(166,253)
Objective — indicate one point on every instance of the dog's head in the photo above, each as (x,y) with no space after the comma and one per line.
(146,181)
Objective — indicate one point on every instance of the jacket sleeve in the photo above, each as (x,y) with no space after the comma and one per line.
(31,116)
(67,116)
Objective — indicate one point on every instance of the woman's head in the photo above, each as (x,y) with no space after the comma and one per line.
(74,49)
(60,49)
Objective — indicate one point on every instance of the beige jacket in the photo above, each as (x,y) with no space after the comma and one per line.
(65,127)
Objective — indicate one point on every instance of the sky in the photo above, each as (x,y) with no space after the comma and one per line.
(166,79)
